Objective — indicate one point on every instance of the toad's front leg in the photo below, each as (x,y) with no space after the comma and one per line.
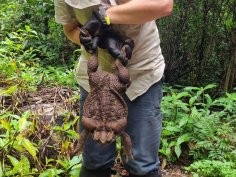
(123,73)
(93,63)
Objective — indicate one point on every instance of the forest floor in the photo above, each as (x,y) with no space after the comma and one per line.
(174,171)
(168,171)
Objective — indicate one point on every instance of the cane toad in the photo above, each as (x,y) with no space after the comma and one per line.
(105,111)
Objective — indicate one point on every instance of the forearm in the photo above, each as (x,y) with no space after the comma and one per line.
(72,32)
(139,11)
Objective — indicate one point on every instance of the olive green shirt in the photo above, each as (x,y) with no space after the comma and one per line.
(146,66)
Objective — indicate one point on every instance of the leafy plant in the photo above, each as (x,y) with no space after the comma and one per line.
(207,168)
(21,147)
(20,167)
(15,130)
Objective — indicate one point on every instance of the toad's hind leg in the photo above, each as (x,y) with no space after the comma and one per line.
(81,142)
(127,145)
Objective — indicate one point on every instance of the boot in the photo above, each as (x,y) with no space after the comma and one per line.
(156,173)
(84,172)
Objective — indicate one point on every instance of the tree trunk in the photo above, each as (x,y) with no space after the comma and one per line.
(230,80)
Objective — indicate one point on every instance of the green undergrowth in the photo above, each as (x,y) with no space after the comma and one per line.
(199,129)
(212,168)
(22,66)
(28,149)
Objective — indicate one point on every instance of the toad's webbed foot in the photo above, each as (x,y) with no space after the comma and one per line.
(103,136)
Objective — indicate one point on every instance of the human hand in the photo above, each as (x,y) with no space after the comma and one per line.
(118,47)
(93,29)
(89,31)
